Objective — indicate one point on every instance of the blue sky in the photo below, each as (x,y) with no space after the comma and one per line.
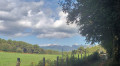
(39,22)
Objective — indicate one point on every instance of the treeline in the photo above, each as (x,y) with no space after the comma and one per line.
(23,47)
(89,50)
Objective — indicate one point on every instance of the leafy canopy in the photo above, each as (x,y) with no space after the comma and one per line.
(98,20)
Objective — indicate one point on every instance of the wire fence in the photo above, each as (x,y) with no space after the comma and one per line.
(60,61)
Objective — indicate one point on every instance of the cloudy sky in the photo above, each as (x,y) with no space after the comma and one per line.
(37,22)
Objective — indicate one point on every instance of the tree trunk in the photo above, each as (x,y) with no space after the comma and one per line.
(116,58)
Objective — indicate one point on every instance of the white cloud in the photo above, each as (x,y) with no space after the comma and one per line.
(21,34)
(1,25)
(25,23)
(51,28)
(55,35)
(19,16)
(2,13)
(48,45)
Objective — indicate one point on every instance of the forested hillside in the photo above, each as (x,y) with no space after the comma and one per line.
(22,47)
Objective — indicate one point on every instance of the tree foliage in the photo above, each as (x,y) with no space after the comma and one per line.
(99,21)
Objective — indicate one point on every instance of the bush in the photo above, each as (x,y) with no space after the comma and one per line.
(19,50)
(95,56)
(101,52)
(110,62)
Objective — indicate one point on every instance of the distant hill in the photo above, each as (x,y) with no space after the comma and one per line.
(23,47)
(59,47)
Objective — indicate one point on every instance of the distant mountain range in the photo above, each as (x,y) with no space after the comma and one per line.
(59,47)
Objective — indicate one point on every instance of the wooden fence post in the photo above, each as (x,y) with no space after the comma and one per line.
(85,54)
(18,62)
(43,61)
(81,56)
(32,64)
(57,61)
(62,62)
(73,56)
(67,61)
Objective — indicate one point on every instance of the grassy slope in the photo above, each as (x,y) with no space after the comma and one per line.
(10,59)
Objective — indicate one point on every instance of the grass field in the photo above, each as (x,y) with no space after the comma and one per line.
(10,59)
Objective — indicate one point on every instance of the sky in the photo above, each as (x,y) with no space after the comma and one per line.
(39,22)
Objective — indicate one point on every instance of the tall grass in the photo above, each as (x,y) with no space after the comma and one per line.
(72,60)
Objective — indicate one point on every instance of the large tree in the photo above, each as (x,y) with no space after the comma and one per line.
(98,20)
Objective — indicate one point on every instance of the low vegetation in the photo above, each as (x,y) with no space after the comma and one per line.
(90,57)
(73,61)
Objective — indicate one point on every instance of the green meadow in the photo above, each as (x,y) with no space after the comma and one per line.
(10,59)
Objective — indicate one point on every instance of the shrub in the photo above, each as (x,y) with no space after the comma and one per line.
(95,56)
(19,50)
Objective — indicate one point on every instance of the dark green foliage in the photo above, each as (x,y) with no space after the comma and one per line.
(18,46)
(101,52)
(95,56)
(74,51)
(23,47)
(99,21)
